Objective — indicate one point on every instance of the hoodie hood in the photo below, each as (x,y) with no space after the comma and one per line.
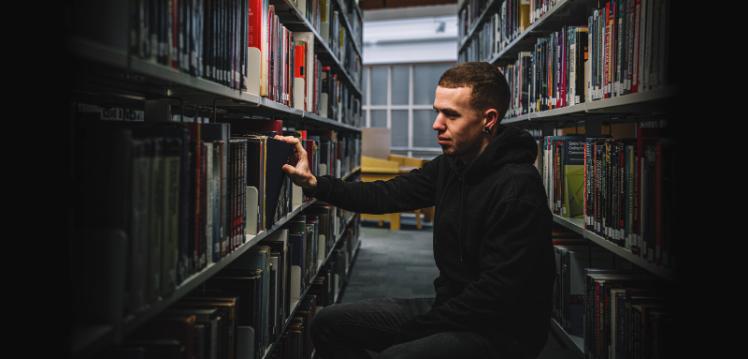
(511,145)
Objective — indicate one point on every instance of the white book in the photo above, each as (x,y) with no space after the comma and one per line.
(245,341)
(297,196)
(252,211)
(321,246)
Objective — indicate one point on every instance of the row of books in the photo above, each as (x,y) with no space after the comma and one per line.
(244,309)
(621,188)
(511,19)
(619,313)
(183,195)
(328,17)
(353,13)
(623,49)
(627,316)
(629,47)
(326,289)
(551,76)
(506,24)
(468,14)
(538,8)
(254,53)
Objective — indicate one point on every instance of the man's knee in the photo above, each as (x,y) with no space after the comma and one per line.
(324,322)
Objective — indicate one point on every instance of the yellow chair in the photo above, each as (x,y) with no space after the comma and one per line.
(375,169)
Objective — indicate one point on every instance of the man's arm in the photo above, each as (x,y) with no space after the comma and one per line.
(405,192)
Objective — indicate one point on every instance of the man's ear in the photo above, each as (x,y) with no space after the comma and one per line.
(490,118)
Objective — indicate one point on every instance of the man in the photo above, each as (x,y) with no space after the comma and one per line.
(492,237)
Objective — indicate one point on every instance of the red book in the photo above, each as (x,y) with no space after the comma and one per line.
(254,24)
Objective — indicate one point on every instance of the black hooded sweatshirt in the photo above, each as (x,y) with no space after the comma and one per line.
(492,239)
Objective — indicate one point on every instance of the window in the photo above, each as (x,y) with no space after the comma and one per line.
(400,97)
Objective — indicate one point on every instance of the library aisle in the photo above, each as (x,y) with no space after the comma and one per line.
(222,152)
(401,264)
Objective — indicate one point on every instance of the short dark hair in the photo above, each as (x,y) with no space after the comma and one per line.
(490,89)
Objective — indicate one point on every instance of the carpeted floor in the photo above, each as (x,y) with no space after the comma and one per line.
(401,264)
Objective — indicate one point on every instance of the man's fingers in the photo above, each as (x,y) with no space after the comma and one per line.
(300,150)
(288,169)
(287,139)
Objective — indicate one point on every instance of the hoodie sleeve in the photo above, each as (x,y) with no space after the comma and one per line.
(413,190)
(514,254)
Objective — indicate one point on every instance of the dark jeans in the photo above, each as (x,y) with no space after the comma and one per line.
(369,329)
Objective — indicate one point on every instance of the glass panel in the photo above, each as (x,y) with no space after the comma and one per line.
(425,78)
(379,85)
(399,128)
(378,118)
(423,134)
(400,76)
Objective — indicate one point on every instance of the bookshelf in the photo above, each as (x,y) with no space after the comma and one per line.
(555,17)
(577,225)
(97,337)
(298,22)
(160,80)
(573,342)
(107,73)
(490,9)
(516,50)
(288,320)
(627,104)
(353,12)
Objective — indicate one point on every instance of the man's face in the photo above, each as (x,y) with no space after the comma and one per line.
(457,124)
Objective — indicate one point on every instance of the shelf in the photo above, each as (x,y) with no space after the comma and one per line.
(323,120)
(623,103)
(91,339)
(350,29)
(466,40)
(198,278)
(163,81)
(348,275)
(577,225)
(299,22)
(344,226)
(552,20)
(572,342)
(94,337)
(357,169)
(271,347)
(630,103)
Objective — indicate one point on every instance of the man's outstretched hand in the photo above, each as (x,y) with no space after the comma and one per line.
(300,174)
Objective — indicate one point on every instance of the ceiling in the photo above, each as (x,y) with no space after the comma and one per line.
(388,4)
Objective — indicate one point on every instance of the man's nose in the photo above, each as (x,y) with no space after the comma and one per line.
(438,123)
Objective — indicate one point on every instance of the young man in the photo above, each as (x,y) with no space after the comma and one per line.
(492,237)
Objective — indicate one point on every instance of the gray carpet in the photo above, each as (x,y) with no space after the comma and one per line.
(401,264)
